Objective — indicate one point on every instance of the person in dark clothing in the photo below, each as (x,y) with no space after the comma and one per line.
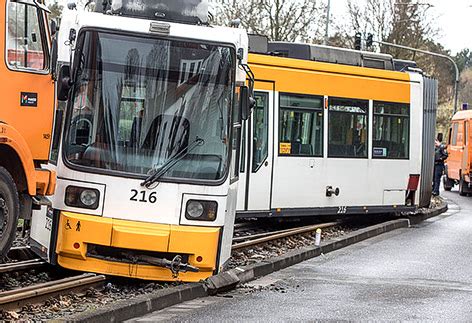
(440,155)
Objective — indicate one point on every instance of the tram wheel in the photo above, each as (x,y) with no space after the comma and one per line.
(9,211)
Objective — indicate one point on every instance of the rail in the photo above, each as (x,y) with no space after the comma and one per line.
(21,265)
(15,299)
(271,236)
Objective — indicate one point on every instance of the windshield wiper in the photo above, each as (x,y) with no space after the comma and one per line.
(154,177)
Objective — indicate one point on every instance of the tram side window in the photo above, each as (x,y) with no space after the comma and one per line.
(242,167)
(301,125)
(58,125)
(236,144)
(260,135)
(391,138)
(25,48)
(347,131)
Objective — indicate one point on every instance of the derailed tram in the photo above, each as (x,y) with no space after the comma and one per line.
(335,132)
(147,142)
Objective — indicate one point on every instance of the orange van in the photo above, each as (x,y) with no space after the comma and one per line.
(459,147)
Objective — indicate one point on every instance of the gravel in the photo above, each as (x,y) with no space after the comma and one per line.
(64,305)
(279,247)
(9,281)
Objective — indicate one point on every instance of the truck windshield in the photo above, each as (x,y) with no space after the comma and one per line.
(137,102)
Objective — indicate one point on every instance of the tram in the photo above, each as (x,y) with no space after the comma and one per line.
(335,132)
(147,157)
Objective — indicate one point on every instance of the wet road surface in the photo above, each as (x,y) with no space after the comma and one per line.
(420,273)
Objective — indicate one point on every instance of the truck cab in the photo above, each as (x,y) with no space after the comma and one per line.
(26,114)
(458,164)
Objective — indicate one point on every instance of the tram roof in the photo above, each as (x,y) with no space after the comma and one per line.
(300,64)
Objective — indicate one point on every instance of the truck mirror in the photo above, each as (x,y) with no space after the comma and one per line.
(64,83)
(54,49)
(53,27)
(247,102)
(440,137)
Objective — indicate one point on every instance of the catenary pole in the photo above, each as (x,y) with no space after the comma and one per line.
(328,10)
(449,58)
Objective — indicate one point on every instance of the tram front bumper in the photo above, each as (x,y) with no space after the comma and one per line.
(107,246)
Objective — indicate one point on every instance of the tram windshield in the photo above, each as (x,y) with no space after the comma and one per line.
(139,102)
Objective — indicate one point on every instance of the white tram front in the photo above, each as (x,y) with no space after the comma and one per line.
(147,157)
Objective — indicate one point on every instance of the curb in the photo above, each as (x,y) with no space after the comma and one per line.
(426,214)
(145,304)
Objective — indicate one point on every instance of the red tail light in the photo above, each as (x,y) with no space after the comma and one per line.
(413,182)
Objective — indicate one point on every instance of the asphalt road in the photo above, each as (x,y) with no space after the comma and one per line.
(420,273)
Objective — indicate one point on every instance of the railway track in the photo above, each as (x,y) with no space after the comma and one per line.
(20,259)
(21,265)
(260,238)
(15,299)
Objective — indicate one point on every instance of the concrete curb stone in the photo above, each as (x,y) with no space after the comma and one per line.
(158,300)
(141,305)
(426,214)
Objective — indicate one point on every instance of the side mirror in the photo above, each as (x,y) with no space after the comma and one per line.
(53,63)
(53,27)
(440,137)
(64,83)
(247,102)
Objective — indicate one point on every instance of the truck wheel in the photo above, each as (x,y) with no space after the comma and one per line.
(447,183)
(463,189)
(9,211)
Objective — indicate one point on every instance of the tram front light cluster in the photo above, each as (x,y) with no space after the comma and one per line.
(201,210)
(86,198)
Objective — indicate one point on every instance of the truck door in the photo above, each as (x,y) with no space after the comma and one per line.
(454,162)
(465,149)
(27,87)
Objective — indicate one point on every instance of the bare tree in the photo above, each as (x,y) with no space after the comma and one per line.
(375,16)
(280,20)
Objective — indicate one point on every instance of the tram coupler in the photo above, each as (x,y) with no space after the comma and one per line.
(175,265)
(330,191)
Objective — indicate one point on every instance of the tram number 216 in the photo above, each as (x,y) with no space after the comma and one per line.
(143,196)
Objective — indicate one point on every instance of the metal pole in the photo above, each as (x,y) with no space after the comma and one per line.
(328,9)
(456,82)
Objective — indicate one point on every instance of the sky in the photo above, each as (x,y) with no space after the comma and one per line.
(452,17)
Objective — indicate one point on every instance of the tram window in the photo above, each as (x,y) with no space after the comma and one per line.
(455,130)
(132,103)
(25,48)
(58,125)
(260,132)
(391,137)
(243,149)
(347,131)
(236,144)
(301,125)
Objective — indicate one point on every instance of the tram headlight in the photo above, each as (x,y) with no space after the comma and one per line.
(87,198)
(201,210)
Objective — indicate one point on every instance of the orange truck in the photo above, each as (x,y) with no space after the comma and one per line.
(459,162)
(26,114)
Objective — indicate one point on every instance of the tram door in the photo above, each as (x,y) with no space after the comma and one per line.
(255,187)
